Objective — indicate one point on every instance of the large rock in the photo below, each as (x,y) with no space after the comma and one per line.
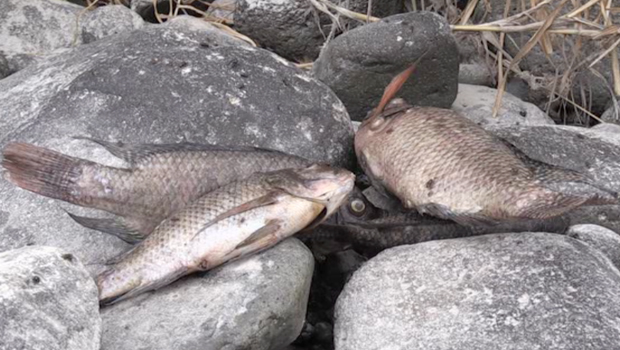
(47,301)
(601,238)
(476,103)
(502,291)
(108,20)
(32,30)
(182,81)
(294,29)
(359,64)
(255,303)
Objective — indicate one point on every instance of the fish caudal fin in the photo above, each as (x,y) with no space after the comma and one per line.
(42,171)
(118,227)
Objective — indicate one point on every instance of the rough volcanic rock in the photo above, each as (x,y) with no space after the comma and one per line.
(255,303)
(359,64)
(48,301)
(108,20)
(161,84)
(294,29)
(501,291)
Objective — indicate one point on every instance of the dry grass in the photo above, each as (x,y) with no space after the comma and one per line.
(555,25)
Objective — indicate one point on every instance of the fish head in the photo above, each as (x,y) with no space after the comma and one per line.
(319,183)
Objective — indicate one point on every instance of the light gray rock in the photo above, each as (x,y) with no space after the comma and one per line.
(108,20)
(161,84)
(254,303)
(501,291)
(601,238)
(48,301)
(294,29)
(360,63)
(31,30)
(224,9)
(475,74)
(476,103)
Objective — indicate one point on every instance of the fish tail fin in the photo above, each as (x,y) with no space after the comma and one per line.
(575,184)
(118,227)
(43,171)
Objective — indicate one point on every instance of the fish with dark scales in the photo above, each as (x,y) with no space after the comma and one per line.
(442,164)
(241,218)
(161,179)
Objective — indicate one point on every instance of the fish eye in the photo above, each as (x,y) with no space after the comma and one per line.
(358,206)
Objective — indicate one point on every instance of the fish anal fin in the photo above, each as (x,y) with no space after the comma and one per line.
(463,219)
(270,198)
(118,227)
(142,287)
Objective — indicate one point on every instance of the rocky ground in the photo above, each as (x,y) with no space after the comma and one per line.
(114,73)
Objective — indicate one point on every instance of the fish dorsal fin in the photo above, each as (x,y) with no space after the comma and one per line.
(134,153)
(268,199)
(395,85)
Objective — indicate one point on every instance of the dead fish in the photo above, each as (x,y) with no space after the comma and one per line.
(161,179)
(440,163)
(373,236)
(235,220)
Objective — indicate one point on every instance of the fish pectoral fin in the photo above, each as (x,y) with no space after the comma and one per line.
(263,234)
(115,226)
(272,197)
(464,219)
(257,241)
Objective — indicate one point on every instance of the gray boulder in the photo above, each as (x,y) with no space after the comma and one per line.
(612,114)
(601,238)
(476,103)
(294,29)
(502,291)
(108,20)
(161,84)
(47,301)
(31,31)
(359,64)
(255,303)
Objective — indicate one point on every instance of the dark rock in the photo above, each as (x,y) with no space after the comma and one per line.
(108,20)
(167,83)
(5,71)
(476,103)
(359,64)
(294,29)
(501,291)
(258,302)
(601,238)
(47,301)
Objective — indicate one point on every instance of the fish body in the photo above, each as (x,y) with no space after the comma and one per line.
(160,179)
(237,219)
(440,163)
